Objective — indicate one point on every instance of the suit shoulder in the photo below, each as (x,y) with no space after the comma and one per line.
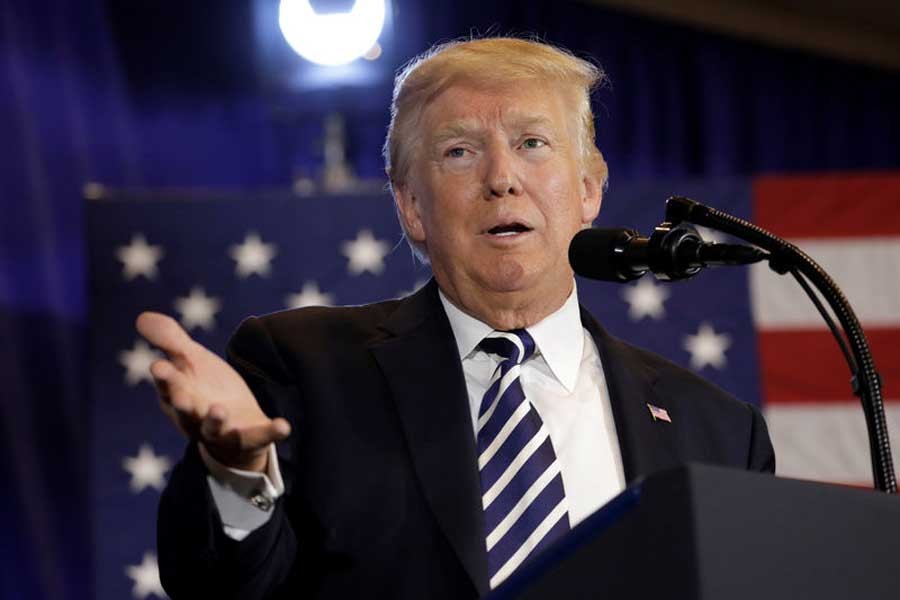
(665,367)
(673,379)
(351,323)
(266,338)
(713,425)
(723,429)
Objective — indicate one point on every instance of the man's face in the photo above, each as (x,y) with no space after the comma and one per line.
(497,190)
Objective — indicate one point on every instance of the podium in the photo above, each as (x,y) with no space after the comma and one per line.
(703,533)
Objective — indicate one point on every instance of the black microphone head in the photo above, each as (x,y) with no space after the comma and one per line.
(594,253)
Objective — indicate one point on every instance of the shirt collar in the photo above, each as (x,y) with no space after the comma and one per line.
(559,337)
(467,330)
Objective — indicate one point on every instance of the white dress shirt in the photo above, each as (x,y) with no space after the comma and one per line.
(564,382)
(244,498)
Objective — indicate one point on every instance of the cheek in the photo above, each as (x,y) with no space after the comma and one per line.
(445,227)
(451,209)
(561,204)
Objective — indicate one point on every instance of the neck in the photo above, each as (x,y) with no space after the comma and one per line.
(508,310)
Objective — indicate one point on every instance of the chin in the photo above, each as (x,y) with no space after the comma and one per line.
(507,275)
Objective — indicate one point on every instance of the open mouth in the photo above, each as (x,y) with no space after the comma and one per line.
(508,229)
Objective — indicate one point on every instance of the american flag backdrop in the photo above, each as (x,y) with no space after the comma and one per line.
(211,260)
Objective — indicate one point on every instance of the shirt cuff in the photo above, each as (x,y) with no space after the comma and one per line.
(244,499)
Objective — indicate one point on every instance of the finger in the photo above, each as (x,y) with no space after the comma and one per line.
(186,426)
(162,370)
(281,429)
(163,332)
(185,421)
(214,423)
(162,390)
(259,436)
(173,385)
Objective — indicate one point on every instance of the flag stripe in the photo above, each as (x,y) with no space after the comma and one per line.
(849,224)
(868,272)
(807,366)
(828,205)
(827,441)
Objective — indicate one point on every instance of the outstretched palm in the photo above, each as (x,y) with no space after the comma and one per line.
(207,399)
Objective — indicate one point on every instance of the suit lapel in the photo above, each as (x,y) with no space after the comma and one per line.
(647,445)
(421,363)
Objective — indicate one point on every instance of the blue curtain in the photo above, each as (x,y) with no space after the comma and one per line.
(142,95)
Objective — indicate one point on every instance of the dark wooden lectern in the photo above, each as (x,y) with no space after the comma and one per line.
(706,533)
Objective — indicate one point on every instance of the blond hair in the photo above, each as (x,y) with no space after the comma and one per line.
(494,61)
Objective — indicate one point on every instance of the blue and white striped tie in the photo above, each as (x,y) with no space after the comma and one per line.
(522,490)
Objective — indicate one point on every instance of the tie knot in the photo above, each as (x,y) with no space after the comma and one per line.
(516,345)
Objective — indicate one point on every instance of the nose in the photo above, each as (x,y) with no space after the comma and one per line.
(502,178)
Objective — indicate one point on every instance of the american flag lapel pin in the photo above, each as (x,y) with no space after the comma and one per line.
(659,414)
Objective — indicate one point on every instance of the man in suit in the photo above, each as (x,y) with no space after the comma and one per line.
(441,440)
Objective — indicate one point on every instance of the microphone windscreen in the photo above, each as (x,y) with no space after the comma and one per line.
(592,253)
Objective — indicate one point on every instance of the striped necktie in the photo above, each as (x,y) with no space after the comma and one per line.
(524,501)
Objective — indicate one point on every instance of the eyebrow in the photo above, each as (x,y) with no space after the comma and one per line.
(458,129)
(527,122)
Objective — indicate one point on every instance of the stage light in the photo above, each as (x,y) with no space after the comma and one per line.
(335,38)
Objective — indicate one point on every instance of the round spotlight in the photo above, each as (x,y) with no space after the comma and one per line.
(373,53)
(335,38)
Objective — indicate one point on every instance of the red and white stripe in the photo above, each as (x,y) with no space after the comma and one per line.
(849,224)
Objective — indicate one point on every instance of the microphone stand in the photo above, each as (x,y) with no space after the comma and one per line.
(784,258)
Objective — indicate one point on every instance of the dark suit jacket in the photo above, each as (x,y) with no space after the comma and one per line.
(382,491)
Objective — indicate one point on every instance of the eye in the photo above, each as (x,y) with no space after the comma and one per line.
(456,152)
(533,143)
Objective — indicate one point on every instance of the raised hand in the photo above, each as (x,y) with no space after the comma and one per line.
(207,399)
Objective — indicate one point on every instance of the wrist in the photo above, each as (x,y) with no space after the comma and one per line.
(256,461)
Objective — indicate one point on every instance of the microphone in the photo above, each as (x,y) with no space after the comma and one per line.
(671,253)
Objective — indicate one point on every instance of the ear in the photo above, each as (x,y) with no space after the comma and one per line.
(593,180)
(409,209)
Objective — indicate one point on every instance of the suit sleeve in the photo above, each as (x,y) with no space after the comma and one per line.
(196,558)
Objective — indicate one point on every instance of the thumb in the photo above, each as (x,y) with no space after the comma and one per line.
(259,436)
(280,428)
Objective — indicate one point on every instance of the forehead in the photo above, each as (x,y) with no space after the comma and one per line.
(468,106)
